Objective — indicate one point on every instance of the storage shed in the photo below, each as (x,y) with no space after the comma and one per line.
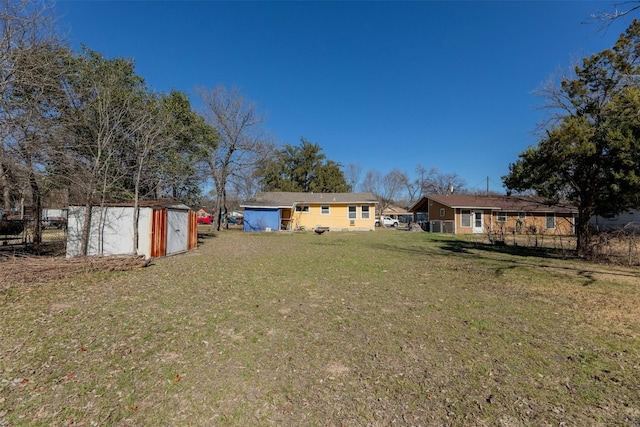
(164,228)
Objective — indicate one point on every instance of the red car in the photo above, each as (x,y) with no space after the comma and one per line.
(204,218)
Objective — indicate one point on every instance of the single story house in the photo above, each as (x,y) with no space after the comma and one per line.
(629,220)
(272,211)
(396,212)
(164,228)
(469,214)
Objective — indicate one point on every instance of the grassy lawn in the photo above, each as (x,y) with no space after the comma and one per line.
(343,329)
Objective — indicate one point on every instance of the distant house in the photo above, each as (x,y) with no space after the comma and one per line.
(469,214)
(625,220)
(163,229)
(396,212)
(272,211)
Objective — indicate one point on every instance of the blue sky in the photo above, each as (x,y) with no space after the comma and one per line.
(382,84)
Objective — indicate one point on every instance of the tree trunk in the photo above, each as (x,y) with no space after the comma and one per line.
(86,227)
(37,208)
(136,221)
(6,189)
(136,210)
(220,199)
(583,233)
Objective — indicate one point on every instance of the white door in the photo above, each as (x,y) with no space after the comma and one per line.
(177,231)
(477,222)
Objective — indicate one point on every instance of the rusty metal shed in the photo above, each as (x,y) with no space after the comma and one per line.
(164,228)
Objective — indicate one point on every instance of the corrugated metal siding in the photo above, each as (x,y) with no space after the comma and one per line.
(177,231)
(193,230)
(159,233)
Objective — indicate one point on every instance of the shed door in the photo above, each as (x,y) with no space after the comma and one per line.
(177,231)
(477,222)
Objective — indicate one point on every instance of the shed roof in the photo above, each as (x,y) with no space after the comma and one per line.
(283,199)
(146,204)
(503,203)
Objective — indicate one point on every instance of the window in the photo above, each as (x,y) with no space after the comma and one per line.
(324,210)
(551,220)
(353,212)
(501,217)
(478,219)
(466,218)
(365,211)
(522,215)
(302,208)
(441,212)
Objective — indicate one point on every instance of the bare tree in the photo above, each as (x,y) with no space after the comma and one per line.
(436,182)
(387,188)
(242,139)
(149,122)
(620,10)
(245,182)
(352,174)
(414,188)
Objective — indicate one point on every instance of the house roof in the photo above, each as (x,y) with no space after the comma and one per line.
(502,203)
(394,210)
(288,199)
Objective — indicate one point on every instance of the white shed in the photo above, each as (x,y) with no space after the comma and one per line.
(163,229)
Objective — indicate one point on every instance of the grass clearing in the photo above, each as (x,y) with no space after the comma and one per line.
(372,328)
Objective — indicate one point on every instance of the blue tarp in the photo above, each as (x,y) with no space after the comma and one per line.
(261,219)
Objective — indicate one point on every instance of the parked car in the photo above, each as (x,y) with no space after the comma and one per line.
(54,222)
(203,219)
(235,220)
(387,222)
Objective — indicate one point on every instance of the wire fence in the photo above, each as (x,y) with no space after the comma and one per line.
(621,247)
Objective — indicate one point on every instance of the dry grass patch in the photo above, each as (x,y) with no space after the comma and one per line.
(370,329)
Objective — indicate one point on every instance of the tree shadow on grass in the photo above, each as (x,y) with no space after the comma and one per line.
(518,256)
(205,234)
(468,248)
(465,247)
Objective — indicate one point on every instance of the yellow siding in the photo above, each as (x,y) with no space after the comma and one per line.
(336,219)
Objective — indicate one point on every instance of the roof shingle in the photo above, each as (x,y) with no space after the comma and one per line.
(504,203)
(287,199)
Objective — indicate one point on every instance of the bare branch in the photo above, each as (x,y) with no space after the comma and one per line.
(241,138)
(604,19)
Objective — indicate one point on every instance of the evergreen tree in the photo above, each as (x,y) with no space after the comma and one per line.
(302,168)
(590,155)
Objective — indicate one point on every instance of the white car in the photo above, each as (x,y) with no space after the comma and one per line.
(387,222)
